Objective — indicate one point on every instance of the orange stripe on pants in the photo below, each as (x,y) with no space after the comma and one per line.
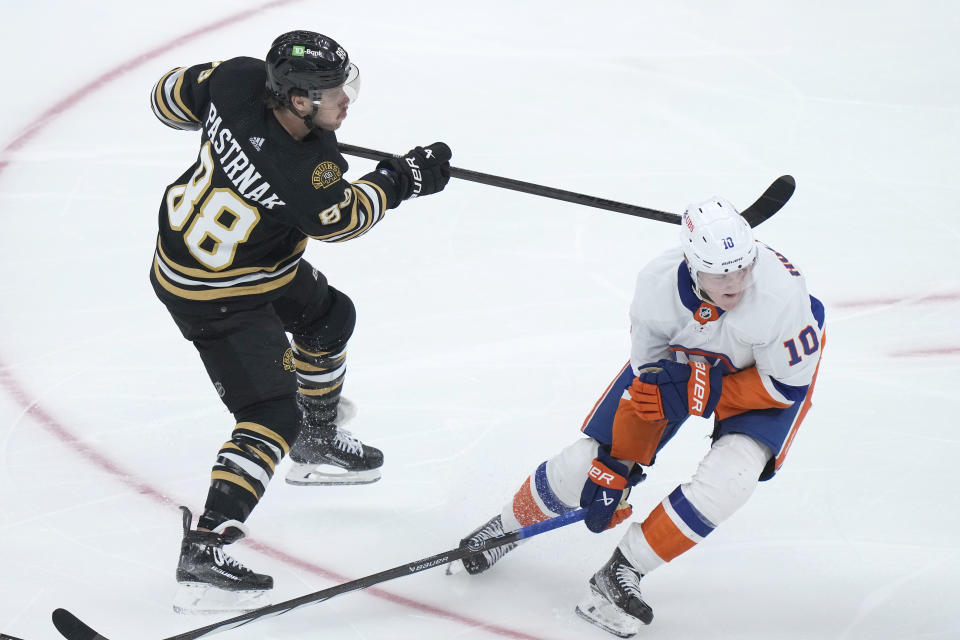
(663,536)
(525,508)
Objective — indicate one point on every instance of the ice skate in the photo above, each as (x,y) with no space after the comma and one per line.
(210,580)
(327,454)
(338,458)
(479,562)
(614,603)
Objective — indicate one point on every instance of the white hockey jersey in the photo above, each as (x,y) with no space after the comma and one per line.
(777,326)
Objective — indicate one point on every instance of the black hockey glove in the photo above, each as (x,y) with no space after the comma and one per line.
(421,171)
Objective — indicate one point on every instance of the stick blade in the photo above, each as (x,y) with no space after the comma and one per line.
(73,628)
(771,201)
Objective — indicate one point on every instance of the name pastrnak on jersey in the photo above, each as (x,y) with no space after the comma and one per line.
(234,225)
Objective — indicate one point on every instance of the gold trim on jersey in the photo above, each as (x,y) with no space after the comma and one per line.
(226,292)
(372,219)
(203,273)
(380,192)
(347,229)
(161,100)
(179,100)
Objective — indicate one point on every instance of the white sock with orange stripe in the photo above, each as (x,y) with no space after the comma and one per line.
(724,481)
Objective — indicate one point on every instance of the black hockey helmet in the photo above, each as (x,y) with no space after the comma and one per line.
(308,61)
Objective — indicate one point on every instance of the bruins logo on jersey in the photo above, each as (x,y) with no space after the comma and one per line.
(325,174)
(288,364)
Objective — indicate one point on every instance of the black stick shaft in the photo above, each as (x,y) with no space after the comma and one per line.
(766,205)
(529,187)
(73,628)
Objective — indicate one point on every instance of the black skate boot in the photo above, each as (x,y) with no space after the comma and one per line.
(210,580)
(479,562)
(325,453)
(614,603)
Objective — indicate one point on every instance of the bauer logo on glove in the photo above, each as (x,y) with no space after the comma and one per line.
(421,171)
(605,492)
(672,391)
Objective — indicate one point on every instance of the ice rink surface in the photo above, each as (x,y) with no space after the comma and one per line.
(490,321)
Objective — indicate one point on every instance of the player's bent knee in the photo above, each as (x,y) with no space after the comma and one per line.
(331,328)
(727,476)
(567,470)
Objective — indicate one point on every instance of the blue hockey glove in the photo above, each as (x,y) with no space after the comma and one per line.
(605,492)
(670,390)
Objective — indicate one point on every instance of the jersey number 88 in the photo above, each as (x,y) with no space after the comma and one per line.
(223,219)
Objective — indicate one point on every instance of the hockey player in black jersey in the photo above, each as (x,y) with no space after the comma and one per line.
(228,267)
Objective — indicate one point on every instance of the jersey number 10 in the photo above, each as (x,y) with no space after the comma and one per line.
(808,340)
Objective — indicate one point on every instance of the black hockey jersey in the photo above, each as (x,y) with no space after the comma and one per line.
(233,226)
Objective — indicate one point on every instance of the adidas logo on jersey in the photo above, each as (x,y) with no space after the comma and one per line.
(257,143)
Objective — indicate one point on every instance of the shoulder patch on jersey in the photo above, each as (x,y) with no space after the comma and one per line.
(325,174)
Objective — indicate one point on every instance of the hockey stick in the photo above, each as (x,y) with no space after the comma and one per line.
(766,205)
(73,628)
(4,636)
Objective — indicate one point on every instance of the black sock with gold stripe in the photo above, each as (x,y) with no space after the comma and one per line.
(244,467)
(320,377)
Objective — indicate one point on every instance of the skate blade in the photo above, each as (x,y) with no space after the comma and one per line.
(600,612)
(198,598)
(325,475)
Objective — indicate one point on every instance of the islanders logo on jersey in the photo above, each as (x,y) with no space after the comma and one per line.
(325,174)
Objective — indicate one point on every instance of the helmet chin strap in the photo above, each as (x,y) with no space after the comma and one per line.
(307,119)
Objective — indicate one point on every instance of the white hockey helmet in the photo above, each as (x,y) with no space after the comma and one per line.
(716,240)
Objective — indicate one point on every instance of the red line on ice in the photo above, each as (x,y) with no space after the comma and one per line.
(60,431)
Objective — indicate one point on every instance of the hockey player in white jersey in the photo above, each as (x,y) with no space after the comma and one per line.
(721,327)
